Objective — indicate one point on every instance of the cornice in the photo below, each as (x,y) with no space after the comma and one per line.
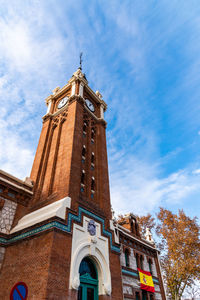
(16,186)
(56,223)
(135,239)
(62,90)
(58,93)
(78,75)
(80,79)
(21,184)
(48,99)
(70,100)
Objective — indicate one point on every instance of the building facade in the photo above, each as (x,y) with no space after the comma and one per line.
(57,235)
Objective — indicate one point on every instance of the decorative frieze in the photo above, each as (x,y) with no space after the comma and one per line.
(127,290)
(7,214)
(130,281)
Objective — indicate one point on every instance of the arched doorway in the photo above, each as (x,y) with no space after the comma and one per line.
(88,289)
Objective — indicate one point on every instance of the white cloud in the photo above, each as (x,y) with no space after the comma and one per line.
(17,156)
(39,45)
(137,187)
(16,44)
(197,171)
(31,60)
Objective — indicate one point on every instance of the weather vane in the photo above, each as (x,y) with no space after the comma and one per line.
(81,60)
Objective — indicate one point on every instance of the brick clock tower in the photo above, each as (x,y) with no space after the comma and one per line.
(63,244)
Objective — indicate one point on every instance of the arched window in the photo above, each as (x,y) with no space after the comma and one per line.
(151,297)
(141,262)
(127,261)
(137,296)
(83,177)
(150,265)
(92,158)
(144,295)
(93,184)
(83,151)
(87,267)
(88,288)
(137,260)
(133,227)
(84,127)
(136,229)
(92,134)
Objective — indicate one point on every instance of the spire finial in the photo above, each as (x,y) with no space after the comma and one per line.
(81,60)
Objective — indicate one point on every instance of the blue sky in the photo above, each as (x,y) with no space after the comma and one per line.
(144,57)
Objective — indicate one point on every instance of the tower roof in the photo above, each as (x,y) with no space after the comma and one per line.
(79,76)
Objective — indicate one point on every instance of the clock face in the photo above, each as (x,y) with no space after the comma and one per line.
(62,102)
(89,105)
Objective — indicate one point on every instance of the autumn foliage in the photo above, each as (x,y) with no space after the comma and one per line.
(146,222)
(178,239)
(180,245)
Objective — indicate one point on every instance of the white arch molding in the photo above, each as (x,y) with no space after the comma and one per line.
(96,248)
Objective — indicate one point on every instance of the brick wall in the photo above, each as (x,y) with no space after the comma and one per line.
(2,252)
(44,268)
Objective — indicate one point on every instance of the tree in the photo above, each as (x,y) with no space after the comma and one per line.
(179,244)
(180,247)
(193,292)
(146,222)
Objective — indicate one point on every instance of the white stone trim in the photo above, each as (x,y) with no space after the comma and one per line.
(80,76)
(81,89)
(49,106)
(95,117)
(96,97)
(133,237)
(102,111)
(55,91)
(116,235)
(96,247)
(73,88)
(56,209)
(99,95)
(14,178)
(60,92)
(17,186)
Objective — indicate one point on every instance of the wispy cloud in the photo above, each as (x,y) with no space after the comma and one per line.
(143,57)
(137,186)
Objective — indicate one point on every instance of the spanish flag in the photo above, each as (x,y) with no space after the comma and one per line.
(146,281)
